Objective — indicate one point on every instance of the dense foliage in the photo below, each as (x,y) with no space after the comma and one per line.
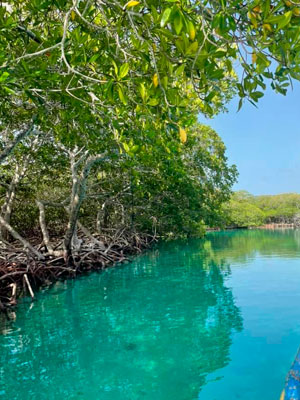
(173,192)
(99,105)
(246,210)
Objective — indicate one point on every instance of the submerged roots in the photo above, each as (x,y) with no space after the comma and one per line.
(22,272)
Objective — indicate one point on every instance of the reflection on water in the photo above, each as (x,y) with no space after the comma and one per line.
(239,246)
(158,328)
(153,329)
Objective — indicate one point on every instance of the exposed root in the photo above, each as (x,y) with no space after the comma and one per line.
(22,272)
(28,285)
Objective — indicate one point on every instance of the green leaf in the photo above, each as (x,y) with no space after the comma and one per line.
(285,20)
(256,95)
(180,70)
(9,90)
(115,67)
(180,45)
(123,70)
(166,33)
(126,147)
(210,96)
(223,23)
(153,102)
(266,6)
(164,82)
(178,23)
(231,22)
(165,17)
(216,21)
(192,49)
(143,92)
(135,149)
(274,19)
(4,76)
(121,95)
(94,58)
(262,62)
(24,65)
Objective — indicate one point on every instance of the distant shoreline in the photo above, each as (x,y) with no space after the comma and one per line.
(265,226)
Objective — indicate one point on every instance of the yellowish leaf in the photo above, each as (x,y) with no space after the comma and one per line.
(296,12)
(182,134)
(155,80)
(132,3)
(267,27)
(257,9)
(192,31)
(252,17)
(254,58)
(73,15)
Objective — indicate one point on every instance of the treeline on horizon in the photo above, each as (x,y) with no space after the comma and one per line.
(247,210)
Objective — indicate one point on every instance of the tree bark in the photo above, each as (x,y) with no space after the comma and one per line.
(46,237)
(77,196)
(18,237)
(20,136)
(6,208)
(90,236)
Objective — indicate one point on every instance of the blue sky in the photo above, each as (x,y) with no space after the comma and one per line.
(264,142)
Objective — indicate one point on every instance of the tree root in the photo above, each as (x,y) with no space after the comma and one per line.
(23,272)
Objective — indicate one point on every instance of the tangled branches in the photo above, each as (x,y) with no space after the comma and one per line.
(22,272)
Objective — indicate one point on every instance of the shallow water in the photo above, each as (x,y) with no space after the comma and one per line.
(211,319)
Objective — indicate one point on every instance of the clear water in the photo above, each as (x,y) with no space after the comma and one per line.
(212,319)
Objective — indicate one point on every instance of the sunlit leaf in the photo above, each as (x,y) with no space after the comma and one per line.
(165,17)
(132,3)
(182,135)
(123,70)
(155,80)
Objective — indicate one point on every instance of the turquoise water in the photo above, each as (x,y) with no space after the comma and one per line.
(211,319)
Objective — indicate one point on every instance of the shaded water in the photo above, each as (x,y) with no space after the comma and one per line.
(211,319)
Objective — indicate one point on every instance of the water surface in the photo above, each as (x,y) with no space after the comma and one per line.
(211,319)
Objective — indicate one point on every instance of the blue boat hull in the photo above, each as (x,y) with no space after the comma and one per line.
(292,385)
